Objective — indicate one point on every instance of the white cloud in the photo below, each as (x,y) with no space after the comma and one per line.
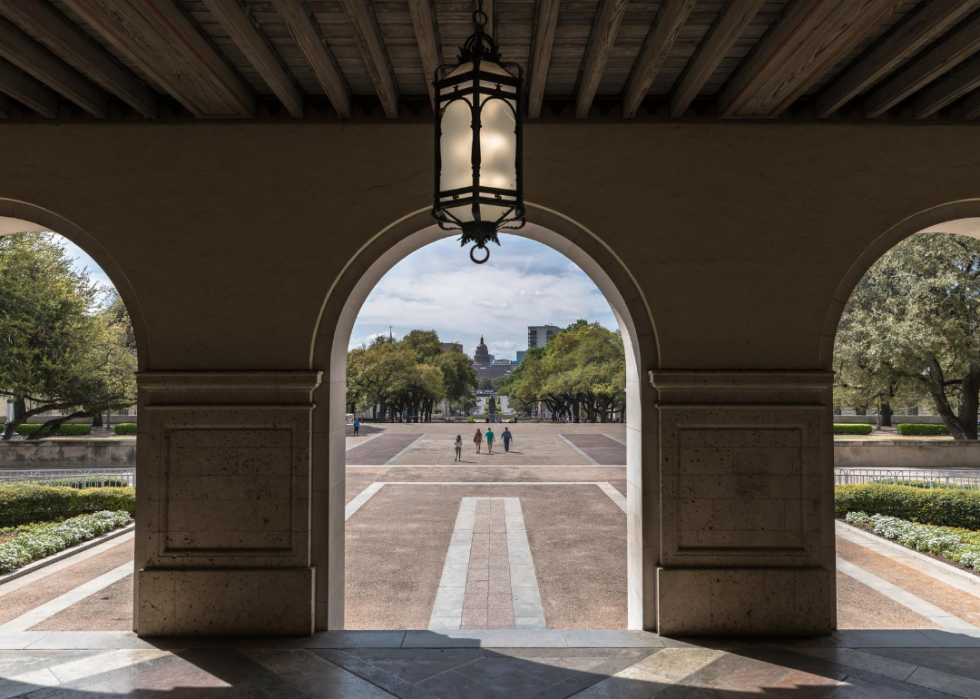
(438,288)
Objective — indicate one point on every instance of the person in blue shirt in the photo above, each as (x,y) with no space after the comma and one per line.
(488,438)
(506,436)
(357,426)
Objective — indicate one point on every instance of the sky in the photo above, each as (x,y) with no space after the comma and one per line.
(438,288)
(82,262)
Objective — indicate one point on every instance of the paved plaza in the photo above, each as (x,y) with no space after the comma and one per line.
(533,538)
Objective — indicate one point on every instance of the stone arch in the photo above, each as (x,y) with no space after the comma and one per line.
(18,216)
(328,355)
(964,214)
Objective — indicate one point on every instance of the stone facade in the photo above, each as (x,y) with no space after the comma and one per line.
(747,502)
(224,502)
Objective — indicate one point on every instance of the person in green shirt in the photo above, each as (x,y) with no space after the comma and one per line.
(488,437)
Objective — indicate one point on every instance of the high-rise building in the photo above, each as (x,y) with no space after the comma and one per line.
(520,355)
(537,335)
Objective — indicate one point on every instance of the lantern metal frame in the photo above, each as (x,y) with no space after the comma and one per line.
(483,87)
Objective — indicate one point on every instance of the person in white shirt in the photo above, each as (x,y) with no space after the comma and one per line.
(459,448)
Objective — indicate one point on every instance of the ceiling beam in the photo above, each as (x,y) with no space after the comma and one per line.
(160,38)
(32,58)
(909,37)
(946,55)
(39,19)
(809,40)
(257,51)
(604,30)
(724,32)
(303,27)
(367,34)
(660,39)
(971,107)
(542,44)
(948,90)
(4,107)
(427,37)
(27,90)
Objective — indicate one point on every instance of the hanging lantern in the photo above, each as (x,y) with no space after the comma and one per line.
(479,188)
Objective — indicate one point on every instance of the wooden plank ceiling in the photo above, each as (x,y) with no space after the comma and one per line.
(608,60)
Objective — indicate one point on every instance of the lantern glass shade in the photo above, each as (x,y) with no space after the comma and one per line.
(478,180)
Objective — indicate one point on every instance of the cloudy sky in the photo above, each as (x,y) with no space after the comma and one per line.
(438,288)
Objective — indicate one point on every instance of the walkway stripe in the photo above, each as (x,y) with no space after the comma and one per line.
(528,610)
(362,498)
(482,466)
(943,572)
(358,502)
(614,495)
(944,619)
(406,449)
(46,611)
(365,441)
(580,452)
(13,585)
(615,439)
(447,612)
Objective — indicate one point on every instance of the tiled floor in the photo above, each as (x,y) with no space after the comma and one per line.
(491,665)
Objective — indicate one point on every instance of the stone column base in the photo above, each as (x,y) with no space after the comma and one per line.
(746,601)
(225,602)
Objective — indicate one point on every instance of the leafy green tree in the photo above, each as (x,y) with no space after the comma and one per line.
(580,370)
(62,346)
(911,331)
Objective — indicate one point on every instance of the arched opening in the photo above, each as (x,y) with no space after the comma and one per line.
(329,352)
(85,444)
(898,338)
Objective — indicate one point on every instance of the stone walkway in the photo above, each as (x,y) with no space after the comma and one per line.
(491,665)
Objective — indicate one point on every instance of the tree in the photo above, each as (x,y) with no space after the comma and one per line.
(62,345)
(580,370)
(378,370)
(911,331)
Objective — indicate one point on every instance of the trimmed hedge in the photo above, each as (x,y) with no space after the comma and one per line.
(939,506)
(66,430)
(471,419)
(21,503)
(126,428)
(851,429)
(39,540)
(908,428)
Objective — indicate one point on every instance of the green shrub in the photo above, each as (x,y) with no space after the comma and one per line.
(942,507)
(66,430)
(852,429)
(960,545)
(21,503)
(126,428)
(72,430)
(39,540)
(471,419)
(88,482)
(907,428)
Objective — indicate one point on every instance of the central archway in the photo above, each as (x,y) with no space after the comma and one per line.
(329,352)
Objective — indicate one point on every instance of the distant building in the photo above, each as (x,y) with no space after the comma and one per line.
(520,355)
(487,367)
(450,346)
(537,335)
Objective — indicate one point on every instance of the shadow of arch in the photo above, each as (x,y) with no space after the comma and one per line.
(328,354)
(961,217)
(21,217)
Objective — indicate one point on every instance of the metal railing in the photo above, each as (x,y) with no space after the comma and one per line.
(78,477)
(922,478)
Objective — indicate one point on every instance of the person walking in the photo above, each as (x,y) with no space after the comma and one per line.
(478,440)
(506,436)
(357,426)
(489,437)
(459,448)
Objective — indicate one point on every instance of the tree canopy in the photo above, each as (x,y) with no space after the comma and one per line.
(911,331)
(64,344)
(582,369)
(409,375)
